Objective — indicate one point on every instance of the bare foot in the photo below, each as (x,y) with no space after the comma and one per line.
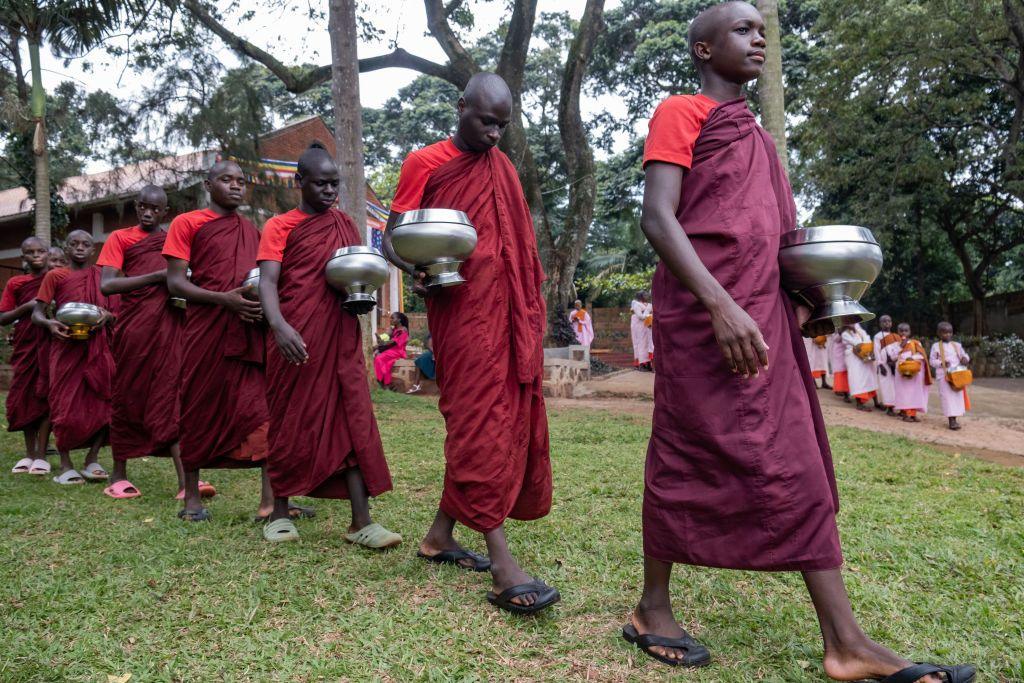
(503,578)
(866,660)
(432,546)
(660,622)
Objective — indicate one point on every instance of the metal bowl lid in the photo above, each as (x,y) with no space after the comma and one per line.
(827,233)
(255,272)
(433,216)
(357,249)
(77,306)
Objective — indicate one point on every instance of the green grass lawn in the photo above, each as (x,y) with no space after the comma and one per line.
(93,587)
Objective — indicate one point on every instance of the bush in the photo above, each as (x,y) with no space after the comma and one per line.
(613,289)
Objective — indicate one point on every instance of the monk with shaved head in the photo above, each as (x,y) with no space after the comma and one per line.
(223,404)
(739,470)
(146,345)
(80,371)
(27,408)
(488,339)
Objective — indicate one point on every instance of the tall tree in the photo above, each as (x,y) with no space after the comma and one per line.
(769,85)
(348,121)
(69,27)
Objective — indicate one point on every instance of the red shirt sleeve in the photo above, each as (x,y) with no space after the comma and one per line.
(412,180)
(8,300)
(112,253)
(275,233)
(674,128)
(179,236)
(48,290)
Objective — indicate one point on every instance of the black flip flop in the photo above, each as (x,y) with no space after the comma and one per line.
(695,654)
(960,673)
(203,515)
(480,562)
(546,596)
(294,511)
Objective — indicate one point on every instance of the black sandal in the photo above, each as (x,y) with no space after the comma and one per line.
(695,653)
(959,673)
(294,511)
(202,515)
(546,596)
(480,562)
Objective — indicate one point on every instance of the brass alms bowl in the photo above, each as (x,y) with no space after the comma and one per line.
(436,241)
(80,318)
(830,267)
(359,272)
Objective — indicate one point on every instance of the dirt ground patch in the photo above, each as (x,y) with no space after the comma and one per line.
(993,430)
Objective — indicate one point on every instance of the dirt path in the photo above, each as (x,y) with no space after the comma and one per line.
(993,431)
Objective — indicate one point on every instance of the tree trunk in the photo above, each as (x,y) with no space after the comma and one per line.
(980,327)
(769,85)
(42,208)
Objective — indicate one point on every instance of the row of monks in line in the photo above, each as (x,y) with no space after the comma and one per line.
(867,369)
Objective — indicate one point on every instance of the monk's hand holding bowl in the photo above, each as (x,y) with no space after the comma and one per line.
(292,346)
(246,309)
(421,289)
(739,338)
(58,329)
(817,329)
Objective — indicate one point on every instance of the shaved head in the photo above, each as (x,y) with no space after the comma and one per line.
(706,25)
(79,235)
(316,157)
(152,194)
(32,241)
(487,90)
(221,166)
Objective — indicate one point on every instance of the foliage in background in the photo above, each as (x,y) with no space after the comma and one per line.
(613,288)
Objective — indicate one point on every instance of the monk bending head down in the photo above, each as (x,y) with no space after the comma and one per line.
(225,182)
(727,43)
(945,331)
(151,206)
(317,178)
(885,323)
(34,253)
(58,259)
(485,110)
(79,247)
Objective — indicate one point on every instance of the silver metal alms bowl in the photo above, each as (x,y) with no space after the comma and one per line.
(80,318)
(359,272)
(180,302)
(436,241)
(830,267)
(252,281)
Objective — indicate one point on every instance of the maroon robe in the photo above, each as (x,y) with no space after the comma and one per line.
(147,359)
(81,372)
(223,398)
(26,398)
(739,472)
(321,417)
(488,341)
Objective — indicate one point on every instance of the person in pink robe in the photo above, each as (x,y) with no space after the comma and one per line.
(860,370)
(946,354)
(739,469)
(885,367)
(390,351)
(582,324)
(911,391)
(640,312)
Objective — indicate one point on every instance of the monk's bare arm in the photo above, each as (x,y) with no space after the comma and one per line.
(179,285)
(292,346)
(17,313)
(111,284)
(56,327)
(738,336)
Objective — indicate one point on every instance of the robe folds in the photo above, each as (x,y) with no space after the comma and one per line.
(739,471)
(488,340)
(223,398)
(147,359)
(887,381)
(26,399)
(321,417)
(81,372)
(955,402)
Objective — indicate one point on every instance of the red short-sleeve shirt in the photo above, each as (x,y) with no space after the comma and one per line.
(416,169)
(183,229)
(48,290)
(9,299)
(674,128)
(275,234)
(112,253)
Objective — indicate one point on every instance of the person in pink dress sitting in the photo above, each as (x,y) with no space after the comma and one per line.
(390,351)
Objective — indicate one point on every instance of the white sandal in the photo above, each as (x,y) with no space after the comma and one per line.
(69,478)
(95,472)
(39,467)
(22,466)
(415,389)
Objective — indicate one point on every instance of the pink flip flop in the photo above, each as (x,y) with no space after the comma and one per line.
(206,490)
(122,489)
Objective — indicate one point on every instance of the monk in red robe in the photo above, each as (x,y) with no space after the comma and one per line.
(223,402)
(739,472)
(316,373)
(80,372)
(489,373)
(27,408)
(147,344)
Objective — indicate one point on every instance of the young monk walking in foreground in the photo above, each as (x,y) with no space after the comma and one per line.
(80,371)
(487,336)
(739,473)
(323,435)
(223,422)
(27,408)
(147,344)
